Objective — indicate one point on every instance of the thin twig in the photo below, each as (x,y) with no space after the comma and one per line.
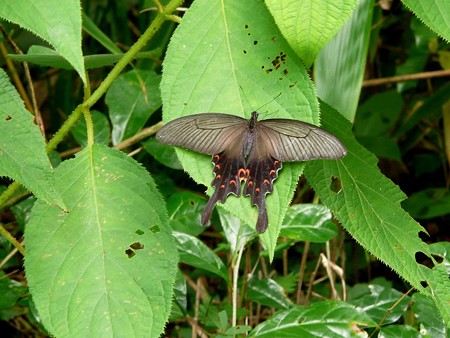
(408,77)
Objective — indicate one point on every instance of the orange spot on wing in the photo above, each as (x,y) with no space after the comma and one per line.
(276,162)
(250,183)
(218,166)
(218,176)
(242,174)
(233,182)
(266,182)
(257,189)
(222,186)
(216,157)
(272,172)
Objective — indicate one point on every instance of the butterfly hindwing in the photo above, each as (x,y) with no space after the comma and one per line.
(228,169)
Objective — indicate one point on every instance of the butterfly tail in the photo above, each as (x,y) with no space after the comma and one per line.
(206,215)
(263,220)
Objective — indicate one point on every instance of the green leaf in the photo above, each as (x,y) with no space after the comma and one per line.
(340,67)
(377,301)
(102,130)
(47,57)
(184,209)
(132,99)
(162,153)
(434,13)
(195,253)
(404,331)
(110,261)
(309,25)
(22,147)
(93,30)
(268,292)
(309,222)
(324,319)
(230,58)
(368,206)
(427,317)
(11,292)
(428,203)
(55,21)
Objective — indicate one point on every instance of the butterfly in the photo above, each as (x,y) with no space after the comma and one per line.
(249,150)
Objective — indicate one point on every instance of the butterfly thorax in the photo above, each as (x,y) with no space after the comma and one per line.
(250,136)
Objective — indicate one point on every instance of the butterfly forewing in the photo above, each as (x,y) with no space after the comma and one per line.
(207,133)
(292,140)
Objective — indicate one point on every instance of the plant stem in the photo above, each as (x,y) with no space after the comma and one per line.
(237,263)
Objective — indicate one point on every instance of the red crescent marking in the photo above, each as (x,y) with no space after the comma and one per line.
(216,157)
(218,166)
(241,174)
(218,176)
(233,182)
(250,183)
(276,162)
(247,172)
(222,186)
(272,172)
(266,182)
(257,189)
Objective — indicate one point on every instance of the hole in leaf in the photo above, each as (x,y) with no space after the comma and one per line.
(245,52)
(255,42)
(423,236)
(191,202)
(8,117)
(335,184)
(246,26)
(136,246)
(139,232)
(424,284)
(424,260)
(155,229)
(285,71)
(274,38)
(438,258)
(130,253)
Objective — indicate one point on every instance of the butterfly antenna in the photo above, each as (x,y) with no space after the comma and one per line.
(265,104)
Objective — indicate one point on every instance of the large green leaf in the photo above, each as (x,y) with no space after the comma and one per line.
(230,57)
(434,13)
(340,66)
(368,206)
(56,21)
(22,147)
(309,25)
(107,266)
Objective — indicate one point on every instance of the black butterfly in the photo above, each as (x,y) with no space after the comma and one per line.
(250,151)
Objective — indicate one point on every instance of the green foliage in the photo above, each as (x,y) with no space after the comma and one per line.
(44,19)
(105,233)
(89,261)
(309,25)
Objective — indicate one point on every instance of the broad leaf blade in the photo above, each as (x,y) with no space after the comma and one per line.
(368,206)
(232,59)
(110,261)
(309,25)
(22,147)
(57,22)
